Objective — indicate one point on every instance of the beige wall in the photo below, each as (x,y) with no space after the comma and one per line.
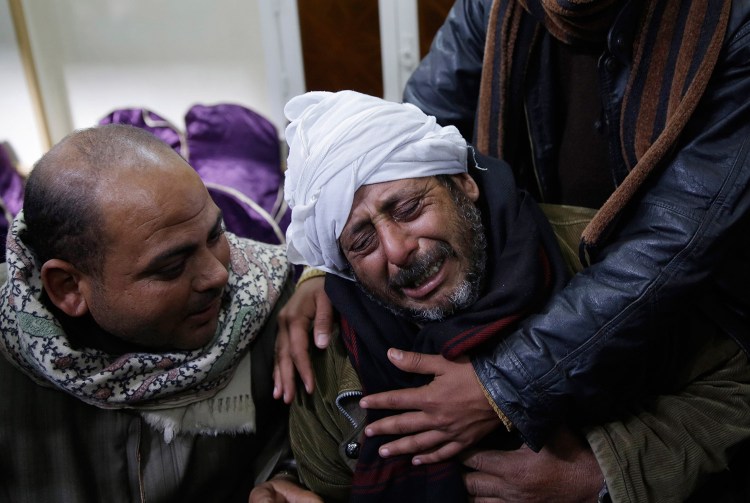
(96,55)
(92,56)
(18,125)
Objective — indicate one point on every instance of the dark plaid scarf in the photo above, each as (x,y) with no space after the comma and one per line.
(524,267)
(676,48)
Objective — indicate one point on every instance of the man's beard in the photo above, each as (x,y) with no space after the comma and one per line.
(473,241)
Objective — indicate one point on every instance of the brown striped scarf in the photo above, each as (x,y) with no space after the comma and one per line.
(676,48)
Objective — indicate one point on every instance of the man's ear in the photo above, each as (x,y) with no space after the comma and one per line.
(63,283)
(468,186)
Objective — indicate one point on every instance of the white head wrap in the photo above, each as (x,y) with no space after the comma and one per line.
(341,141)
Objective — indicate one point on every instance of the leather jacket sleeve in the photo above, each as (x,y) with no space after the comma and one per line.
(622,324)
(446,83)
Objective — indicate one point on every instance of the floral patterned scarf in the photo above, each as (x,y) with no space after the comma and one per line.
(34,341)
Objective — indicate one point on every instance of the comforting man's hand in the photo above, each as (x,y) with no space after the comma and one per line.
(308,304)
(447,415)
(564,471)
(282,490)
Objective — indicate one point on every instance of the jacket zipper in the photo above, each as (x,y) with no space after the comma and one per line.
(342,396)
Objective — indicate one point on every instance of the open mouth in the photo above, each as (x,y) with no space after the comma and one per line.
(429,273)
(421,287)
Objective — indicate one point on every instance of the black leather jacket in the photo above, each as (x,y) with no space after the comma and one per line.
(675,267)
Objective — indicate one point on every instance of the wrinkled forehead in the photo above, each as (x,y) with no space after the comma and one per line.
(385,193)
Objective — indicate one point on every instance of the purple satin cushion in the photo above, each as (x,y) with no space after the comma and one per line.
(237,153)
(11,182)
(11,193)
(148,120)
(235,147)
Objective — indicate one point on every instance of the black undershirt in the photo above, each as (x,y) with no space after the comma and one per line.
(584,175)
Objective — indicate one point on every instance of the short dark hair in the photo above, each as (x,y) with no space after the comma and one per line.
(62,210)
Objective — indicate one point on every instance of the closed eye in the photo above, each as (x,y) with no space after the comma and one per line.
(407,211)
(170,272)
(362,242)
(216,233)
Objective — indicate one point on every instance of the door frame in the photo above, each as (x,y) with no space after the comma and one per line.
(399,44)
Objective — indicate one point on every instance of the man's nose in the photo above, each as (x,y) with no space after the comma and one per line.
(212,274)
(398,244)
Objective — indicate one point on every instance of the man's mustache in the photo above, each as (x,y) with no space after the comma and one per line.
(420,266)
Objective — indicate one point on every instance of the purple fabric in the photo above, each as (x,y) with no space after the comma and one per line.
(234,150)
(11,182)
(11,194)
(148,120)
(236,147)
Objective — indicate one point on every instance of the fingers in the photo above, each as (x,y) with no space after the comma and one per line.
(413,398)
(282,491)
(418,363)
(446,451)
(483,487)
(265,493)
(429,447)
(401,424)
(487,482)
(420,444)
(283,368)
(484,460)
(292,492)
(322,339)
(299,350)
(292,343)
(323,324)
(287,389)
(307,307)
(401,399)
(278,386)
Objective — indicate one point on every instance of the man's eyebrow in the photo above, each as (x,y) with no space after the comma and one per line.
(185,249)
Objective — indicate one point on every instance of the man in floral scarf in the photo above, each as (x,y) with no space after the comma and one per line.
(137,336)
